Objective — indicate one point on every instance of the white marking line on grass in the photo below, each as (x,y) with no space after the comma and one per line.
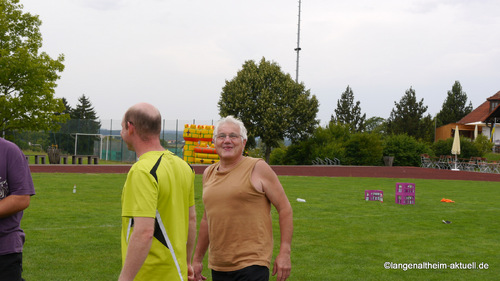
(74,227)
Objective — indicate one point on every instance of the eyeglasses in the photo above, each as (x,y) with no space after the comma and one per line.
(232,136)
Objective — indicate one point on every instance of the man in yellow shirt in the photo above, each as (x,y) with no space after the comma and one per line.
(158,212)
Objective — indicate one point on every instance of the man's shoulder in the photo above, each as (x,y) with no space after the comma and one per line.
(151,158)
(261,167)
(11,153)
(255,161)
(9,146)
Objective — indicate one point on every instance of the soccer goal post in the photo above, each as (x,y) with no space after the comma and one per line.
(96,135)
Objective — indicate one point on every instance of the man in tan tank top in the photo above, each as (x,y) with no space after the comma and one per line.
(236,226)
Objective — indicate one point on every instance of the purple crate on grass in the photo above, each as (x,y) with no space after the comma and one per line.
(374,195)
(405,193)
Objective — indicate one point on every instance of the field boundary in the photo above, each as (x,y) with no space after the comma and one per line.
(310,171)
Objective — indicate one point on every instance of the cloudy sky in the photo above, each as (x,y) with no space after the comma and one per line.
(178,54)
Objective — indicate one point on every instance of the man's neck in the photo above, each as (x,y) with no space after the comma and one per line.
(146,147)
(228,164)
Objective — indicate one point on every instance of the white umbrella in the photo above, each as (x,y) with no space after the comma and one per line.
(475,132)
(455,148)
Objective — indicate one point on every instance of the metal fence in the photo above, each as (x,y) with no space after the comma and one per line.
(100,138)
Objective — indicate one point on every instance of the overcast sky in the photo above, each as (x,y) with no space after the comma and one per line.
(178,54)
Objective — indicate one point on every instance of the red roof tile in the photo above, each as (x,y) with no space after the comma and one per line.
(494,97)
(481,112)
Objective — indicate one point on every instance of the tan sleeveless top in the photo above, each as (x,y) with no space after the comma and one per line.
(239,218)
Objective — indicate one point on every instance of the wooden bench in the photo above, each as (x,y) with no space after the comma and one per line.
(64,158)
(38,157)
(42,158)
(90,159)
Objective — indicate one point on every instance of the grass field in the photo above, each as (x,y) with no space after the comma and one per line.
(337,235)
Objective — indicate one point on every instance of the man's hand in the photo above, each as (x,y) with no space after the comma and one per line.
(198,268)
(190,273)
(282,267)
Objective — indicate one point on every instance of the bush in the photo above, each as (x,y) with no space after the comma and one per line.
(331,151)
(364,149)
(299,154)
(277,156)
(467,148)
(405,149)
(326,142)
(329,142)
(483,145)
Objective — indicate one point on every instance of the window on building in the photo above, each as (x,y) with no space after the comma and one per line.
(493,104)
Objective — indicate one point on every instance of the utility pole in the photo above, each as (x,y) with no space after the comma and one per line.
(298,49)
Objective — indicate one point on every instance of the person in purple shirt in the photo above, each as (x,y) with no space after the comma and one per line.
(16,189)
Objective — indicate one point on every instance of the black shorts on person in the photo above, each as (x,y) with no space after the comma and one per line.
(11,266)
(251,273)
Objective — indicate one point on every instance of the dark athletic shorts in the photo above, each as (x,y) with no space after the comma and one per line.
(251,273)
(11,266)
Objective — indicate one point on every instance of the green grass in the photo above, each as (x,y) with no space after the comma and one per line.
(337,235)
(73,236)
(491,156)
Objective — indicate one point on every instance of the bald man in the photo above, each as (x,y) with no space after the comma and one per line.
(158,212)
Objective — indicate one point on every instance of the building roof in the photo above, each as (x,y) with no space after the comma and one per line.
(480,113)
(494,97)
(493,115)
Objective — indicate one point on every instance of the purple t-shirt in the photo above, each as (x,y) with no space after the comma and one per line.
(15,179)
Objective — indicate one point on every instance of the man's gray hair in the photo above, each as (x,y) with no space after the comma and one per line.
(233,120)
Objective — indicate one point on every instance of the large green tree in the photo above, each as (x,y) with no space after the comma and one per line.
(408,117)
(270,103)
(348,112)
(454,106)
(27,77)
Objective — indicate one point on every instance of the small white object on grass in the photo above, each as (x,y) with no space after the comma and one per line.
(74,188)
(301,200)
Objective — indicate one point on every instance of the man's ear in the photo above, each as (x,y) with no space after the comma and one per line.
(131,128)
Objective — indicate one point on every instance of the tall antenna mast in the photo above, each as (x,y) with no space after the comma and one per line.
(298,49)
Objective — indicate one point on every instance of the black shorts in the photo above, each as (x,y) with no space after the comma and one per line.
(11,266)
(251,273)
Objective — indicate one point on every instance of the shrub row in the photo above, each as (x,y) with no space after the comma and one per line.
(368,149)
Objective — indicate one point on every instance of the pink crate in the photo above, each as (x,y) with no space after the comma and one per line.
(405,193)
(374,195)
